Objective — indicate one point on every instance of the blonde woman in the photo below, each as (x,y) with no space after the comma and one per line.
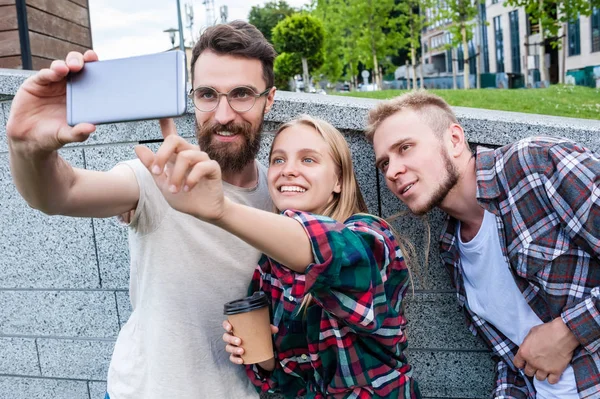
(335,275)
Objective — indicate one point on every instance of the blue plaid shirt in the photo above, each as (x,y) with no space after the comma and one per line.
(545,194)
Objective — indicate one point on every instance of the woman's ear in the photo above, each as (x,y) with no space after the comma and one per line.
(338,187)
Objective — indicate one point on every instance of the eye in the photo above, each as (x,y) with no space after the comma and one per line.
(383,166)
(276,161)
(205,94)
(405,147)
(241,93)
(308,160)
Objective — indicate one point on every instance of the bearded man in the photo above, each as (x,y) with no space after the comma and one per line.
(182,270)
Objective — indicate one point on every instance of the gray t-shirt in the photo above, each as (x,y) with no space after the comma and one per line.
(182,272)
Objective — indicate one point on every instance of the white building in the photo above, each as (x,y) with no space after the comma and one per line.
(511,44)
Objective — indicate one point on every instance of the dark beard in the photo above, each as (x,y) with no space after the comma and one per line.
(444,188)
(232,157)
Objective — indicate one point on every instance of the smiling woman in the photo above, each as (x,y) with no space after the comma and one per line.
(336,298)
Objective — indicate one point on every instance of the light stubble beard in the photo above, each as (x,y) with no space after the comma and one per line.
(447,184)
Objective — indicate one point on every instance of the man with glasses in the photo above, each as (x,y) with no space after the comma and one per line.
(182,270)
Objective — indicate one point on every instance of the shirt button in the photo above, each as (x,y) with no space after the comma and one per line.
(291,298)
(304,357)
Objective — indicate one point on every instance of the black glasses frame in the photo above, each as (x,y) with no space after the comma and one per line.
(219,94)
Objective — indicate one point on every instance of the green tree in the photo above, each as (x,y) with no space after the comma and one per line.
(287,65)
(550,16)
(412,23)
(333,44)
(266,17)
(300,34)
(462,14)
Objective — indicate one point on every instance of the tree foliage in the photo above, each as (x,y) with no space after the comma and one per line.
(265,18)
(300,34)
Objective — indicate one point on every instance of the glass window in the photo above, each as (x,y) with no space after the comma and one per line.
(574,38)
(499,44)
(595,29)
(515,48)
(486,55)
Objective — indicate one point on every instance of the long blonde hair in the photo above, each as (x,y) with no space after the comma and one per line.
(350,200)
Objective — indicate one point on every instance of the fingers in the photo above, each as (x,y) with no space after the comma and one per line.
(145,155)
(90,56)
(47,75)
(167,127)
(529,370)
(75,134)
(541,375)
(553,378)
(227,326)
(208,169)
(171,146)
(188,170)
(74,61)
(518,361)
(233,344)
(274,330)
(236,359)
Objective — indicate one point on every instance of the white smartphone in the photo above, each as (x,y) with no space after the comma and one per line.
(128,89)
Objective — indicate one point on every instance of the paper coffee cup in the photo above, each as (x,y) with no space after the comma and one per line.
(252,324)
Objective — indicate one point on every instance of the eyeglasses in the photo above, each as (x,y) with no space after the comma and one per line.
(240,99)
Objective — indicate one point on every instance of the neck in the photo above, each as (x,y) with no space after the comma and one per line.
(246,178)
(461,202)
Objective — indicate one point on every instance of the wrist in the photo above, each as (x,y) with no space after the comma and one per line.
(568,339)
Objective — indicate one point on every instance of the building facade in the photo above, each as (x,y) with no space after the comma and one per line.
(35,32)
(508,43)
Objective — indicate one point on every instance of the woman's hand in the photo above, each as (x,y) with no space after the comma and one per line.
(236,350)
(188,179)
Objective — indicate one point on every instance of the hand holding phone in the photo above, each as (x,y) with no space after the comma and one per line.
(128,89)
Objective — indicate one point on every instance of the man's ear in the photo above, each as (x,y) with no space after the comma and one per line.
(270,99)
(457,140)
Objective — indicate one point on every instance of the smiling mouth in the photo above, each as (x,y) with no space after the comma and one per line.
(225,134)
(407,188)
(291,189)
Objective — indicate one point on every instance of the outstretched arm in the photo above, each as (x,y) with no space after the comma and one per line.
(37,127)
(191,182)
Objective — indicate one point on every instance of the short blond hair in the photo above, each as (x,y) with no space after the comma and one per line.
(434,110)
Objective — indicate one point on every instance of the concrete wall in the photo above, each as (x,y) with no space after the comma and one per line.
(64,281)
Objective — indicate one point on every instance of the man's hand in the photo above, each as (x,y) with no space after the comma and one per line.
(38,118)
(547,351)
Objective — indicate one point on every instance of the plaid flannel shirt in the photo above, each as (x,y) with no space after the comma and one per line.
(349,342)
(545,195)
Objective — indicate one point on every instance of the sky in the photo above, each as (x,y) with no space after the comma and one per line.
(124,28)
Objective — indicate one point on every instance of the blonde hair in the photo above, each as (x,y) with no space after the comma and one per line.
(350,200)
(434,111)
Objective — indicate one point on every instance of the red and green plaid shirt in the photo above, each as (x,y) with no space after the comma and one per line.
(349,342)
(545,194)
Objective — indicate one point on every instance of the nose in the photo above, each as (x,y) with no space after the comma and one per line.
(224,113)
(289,170)
(395,168)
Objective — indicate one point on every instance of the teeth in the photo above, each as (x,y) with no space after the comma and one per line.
(297,189)
(226,134)
(407,188)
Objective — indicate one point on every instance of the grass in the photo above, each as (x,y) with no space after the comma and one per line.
(557,100)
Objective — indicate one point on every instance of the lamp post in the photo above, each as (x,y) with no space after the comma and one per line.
(171,32)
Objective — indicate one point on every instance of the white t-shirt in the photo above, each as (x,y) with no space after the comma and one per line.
(182,272)
(494,296)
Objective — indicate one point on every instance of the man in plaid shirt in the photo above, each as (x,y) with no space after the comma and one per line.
(521,242)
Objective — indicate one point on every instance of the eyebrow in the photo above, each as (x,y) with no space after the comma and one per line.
(392,147)
(301,151)
(234,87)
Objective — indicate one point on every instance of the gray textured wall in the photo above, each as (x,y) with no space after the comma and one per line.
(64,281)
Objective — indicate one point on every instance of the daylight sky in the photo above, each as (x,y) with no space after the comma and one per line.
(122,28)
